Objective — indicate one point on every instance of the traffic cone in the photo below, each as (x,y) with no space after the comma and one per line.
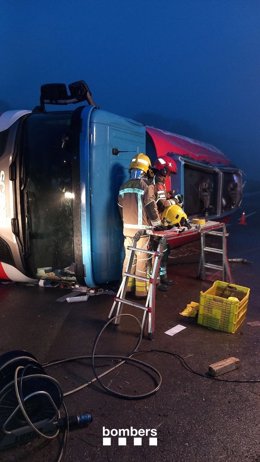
(242,220)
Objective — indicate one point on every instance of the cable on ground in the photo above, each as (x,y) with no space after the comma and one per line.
(152,371)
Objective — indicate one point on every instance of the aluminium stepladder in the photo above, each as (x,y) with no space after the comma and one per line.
(219,233)
(149,306)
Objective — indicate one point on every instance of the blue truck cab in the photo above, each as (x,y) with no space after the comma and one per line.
(60,173)
(105,155)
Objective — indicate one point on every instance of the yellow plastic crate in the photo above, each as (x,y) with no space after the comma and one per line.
(218,311)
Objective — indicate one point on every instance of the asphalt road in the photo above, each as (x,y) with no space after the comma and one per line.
(190,418)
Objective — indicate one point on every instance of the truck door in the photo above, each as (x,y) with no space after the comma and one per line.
(106,152)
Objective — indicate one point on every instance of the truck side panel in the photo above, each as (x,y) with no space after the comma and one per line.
(102,238)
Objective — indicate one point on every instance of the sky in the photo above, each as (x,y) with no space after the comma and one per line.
(188,66)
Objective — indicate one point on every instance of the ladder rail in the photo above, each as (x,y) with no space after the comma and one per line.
(122,288)
(149,306)
(222,250)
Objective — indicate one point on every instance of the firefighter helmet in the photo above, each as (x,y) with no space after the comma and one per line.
(165,165)
(141,162)
(174,215)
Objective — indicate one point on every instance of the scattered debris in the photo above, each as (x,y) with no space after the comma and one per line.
(254,323)
(223,366)
(66,274)
(191,310)
(175,330)
(81,294)
(238,260)
(77,298)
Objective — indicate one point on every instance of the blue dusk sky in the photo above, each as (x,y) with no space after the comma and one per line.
(189,66)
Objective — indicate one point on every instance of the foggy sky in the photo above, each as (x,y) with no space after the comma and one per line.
(189,66)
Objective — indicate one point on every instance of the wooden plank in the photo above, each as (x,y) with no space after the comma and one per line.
(223,366)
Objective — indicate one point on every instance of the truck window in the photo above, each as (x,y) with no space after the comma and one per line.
(49,193)
(3,140)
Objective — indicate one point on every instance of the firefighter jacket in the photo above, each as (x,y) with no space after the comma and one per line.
(137,206)
(162,196)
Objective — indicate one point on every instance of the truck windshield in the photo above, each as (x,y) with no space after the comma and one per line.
(49,167)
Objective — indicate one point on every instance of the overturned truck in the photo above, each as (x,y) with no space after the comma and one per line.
(60,172)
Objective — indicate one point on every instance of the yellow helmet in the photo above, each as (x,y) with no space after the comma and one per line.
(141,161)
(174,215)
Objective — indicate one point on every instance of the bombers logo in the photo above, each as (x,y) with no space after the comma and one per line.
(123,435)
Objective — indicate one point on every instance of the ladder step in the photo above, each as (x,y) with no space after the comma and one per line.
(216,233)
(213,250)
(139,278)
(131,303)
(212,266)
(137,249)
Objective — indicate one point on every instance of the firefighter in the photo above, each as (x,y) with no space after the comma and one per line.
(138,209)
(205,194)
(163,168)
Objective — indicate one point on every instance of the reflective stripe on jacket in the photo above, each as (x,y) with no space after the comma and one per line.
(161,196)
(137,206)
